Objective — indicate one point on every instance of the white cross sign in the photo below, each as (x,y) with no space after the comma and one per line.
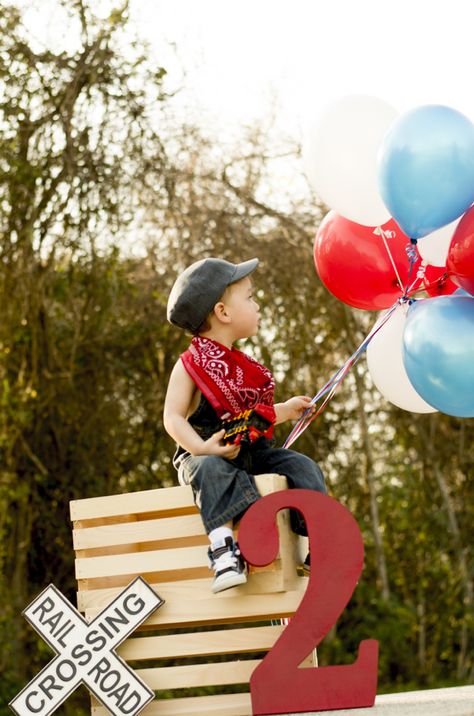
(85,652)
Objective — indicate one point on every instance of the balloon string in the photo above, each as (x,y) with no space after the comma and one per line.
(379,231)
(426,284)
(335,381)
(412,254)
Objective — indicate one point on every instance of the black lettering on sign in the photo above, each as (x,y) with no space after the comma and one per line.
(100,668)
(81,654)
(137,606)
(48,684)
(46,606)
(33,706)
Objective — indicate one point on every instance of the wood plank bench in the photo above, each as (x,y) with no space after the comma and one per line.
(158,534)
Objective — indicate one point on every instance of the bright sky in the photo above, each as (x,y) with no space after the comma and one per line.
(240,55)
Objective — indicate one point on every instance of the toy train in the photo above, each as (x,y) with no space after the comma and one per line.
(249,425)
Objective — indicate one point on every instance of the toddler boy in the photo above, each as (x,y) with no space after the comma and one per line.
(214,382)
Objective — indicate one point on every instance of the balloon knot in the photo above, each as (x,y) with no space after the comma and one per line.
(411,251)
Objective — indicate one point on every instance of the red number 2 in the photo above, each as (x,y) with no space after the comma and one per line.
(277,685)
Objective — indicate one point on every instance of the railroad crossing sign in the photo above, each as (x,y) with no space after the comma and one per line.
(86,652)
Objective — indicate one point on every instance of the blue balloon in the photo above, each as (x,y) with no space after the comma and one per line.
(438,353)
(426,168)
(462,292)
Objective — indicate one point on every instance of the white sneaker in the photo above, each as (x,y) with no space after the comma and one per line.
(225,558)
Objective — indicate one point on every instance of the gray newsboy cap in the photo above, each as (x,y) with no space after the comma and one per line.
(197,290)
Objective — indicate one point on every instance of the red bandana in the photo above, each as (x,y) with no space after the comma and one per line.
(230,380)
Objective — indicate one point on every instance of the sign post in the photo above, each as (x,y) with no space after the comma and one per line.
(86,652)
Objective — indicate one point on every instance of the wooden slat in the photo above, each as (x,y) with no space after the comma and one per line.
(151,578)
(182,677)
(191,541)
(217,610)
(165,560)
(100,598)
(141,531)
(220,705)
(192,589)
(159,500)
(261,582)
(229,641)
(269,483)
(147,501)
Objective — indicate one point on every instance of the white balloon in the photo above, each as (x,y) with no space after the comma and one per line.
(385,363)
(340,156)
(433,248)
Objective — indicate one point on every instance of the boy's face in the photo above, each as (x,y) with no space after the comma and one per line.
(242,308)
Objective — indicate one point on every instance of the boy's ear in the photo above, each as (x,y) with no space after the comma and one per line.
(221,313)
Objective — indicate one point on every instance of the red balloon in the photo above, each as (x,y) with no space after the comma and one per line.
(437,281)
(355,266)
(460,261)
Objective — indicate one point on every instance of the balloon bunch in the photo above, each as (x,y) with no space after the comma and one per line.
(397,187)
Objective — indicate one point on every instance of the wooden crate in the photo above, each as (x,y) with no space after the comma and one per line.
(210,639)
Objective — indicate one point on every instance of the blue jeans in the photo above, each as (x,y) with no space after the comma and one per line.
(225,489)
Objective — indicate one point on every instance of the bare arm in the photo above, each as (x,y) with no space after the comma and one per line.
(178,399)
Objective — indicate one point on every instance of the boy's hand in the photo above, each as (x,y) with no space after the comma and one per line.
(214,446)
(293,408)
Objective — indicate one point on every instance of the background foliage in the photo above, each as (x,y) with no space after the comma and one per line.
(91,163)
